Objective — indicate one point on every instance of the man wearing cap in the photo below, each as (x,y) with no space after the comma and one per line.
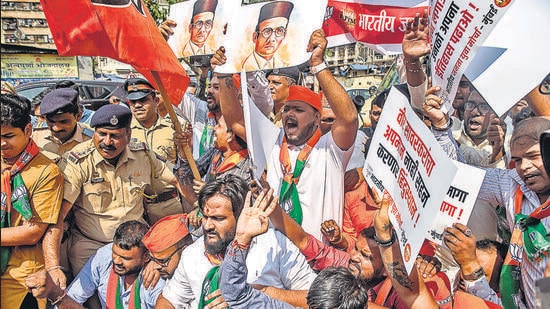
(60,108)
(114,272)
(268,36)
(200,27)
(106,180)
(273,262)
(157,133)
(279,82)
(165,241)
(62,113)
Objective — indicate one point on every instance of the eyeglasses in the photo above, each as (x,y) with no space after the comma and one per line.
(328,120)
(279,32)
(206,24)
(164,262)
(483,108)
(464,84)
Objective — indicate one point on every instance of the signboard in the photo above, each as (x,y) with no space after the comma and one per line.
(18,68)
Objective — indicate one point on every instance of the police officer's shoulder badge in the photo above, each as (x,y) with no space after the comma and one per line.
(137,146)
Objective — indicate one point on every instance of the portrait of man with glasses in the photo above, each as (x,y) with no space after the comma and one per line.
(199,28)
(268,36)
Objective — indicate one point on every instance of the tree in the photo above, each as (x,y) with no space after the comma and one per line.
(159,11)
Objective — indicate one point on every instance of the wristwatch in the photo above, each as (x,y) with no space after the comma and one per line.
(479,273)
(318,68)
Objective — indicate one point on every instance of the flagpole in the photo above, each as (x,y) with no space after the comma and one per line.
(177,125)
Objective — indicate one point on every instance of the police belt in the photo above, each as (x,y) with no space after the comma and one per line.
(162,197)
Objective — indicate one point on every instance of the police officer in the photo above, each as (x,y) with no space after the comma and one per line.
(157,133)
(62,113)
(106,180)
(60,108)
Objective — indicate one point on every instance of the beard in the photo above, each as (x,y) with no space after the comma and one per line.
(220,245)
(302,138)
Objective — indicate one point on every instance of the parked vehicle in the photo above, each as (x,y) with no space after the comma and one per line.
(93,93)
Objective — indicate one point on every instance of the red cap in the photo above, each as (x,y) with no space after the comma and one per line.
(166,233)
(303,94)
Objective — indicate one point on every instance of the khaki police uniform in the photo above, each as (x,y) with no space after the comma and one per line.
(53,148)
(159,138)
(104,196)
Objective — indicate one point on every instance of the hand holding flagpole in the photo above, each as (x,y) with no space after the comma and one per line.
(177,125)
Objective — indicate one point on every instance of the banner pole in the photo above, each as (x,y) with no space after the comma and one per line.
(177,125)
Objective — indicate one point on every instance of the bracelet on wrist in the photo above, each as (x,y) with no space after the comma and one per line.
(446,127)
(54,267)
(386,243)
(339,241)
(237,245)
(58,299)
(477,274)
(318,68)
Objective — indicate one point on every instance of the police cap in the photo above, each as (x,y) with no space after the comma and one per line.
(59,101)
(111,116)
(138,88)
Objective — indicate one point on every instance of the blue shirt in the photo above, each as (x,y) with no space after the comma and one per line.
(95,277)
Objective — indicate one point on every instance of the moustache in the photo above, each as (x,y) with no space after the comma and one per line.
(107,147)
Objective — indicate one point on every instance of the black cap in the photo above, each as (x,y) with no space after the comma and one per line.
(204,6)
(137,88)
(275,9)
(59,101)
(290,72)
(359,101)
(111,116)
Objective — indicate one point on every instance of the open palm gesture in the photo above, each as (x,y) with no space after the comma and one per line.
(254,219)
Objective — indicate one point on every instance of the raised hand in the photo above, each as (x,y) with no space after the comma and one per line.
(166,28)
(254,219)
(415,41)
(317,45)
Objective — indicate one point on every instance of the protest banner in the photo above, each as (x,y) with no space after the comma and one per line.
(459,200)
(458,28)
(260,143)
(513,57)
(380,25)
(406,161)
(200,25)
(274,34)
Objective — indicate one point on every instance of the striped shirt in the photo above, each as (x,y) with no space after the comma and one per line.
(499,187)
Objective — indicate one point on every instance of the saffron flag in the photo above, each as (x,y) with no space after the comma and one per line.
(119,29)
(379,24)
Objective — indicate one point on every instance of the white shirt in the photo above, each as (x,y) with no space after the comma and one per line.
(321,185)
(273,260)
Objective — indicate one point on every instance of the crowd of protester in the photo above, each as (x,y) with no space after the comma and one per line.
(122,209)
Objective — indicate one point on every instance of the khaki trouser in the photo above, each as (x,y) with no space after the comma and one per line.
(80,249)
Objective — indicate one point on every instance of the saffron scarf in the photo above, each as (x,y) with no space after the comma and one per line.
(220,165)
(15,195)
(529,234)
(288,195)
(211,281)
(113,292)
